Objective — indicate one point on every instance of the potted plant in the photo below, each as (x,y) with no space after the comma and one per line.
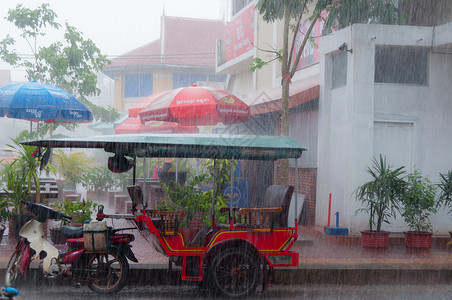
(16,191)
(80,211)
(419,201)
(445,192)
(20,176)
(380,197)
(4,215)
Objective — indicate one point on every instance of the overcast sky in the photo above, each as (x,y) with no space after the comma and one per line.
(115,26)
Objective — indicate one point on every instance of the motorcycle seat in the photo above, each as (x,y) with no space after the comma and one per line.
(71,232)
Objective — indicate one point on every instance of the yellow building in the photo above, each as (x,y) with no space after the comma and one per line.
(184,55)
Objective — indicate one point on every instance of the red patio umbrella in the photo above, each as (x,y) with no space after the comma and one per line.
(196,105)
(137,107)
(133,125)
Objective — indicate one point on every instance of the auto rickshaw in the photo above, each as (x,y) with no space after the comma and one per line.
(230,258)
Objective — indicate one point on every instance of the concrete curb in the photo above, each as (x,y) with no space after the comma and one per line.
(295,276)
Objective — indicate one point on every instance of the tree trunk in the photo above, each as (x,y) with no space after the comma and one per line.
(284,163)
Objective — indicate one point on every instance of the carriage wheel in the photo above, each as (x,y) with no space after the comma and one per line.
(234,272)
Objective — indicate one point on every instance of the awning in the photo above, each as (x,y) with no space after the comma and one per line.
(300,92)
(219,146)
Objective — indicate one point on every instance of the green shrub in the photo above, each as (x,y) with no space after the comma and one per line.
(193,200)
(80,211)
(419,201)
(381,195)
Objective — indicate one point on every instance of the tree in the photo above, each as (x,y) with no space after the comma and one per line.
(71,166)
(341,13)
(71,64)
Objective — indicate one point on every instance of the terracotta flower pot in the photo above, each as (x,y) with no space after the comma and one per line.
(418,240)
(375,240)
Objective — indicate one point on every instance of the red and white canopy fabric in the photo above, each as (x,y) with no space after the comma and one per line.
(133,125)
(137,107)
(196,106)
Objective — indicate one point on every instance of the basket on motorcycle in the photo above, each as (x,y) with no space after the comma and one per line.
(95,236)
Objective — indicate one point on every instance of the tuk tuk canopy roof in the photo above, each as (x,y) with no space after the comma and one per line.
(218,146)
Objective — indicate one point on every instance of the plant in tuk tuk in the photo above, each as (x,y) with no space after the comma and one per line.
(223,175)
(192,199)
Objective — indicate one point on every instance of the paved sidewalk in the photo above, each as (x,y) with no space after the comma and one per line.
(320,261)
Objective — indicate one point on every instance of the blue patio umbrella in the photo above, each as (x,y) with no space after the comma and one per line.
(36,101)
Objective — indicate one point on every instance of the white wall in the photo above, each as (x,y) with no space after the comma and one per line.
(349,117)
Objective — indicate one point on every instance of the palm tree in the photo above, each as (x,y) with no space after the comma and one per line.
(71,166)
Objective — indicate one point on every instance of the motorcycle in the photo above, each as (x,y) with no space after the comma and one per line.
(105,269)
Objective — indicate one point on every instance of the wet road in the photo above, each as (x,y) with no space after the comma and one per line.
(275,292)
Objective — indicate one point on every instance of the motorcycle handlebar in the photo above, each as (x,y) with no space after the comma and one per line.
(43,212)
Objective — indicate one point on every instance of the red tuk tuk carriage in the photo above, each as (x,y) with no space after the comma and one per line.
(231,257)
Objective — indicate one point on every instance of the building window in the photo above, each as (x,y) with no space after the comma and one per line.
(237,5)
(138,85)
(217,77)
(339,73)
(401,64)
(187,79)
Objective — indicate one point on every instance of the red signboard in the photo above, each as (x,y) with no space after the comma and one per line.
(239,34)
(310,54)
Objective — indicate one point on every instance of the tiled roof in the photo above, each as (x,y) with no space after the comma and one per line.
(191,41)
(145,55)
(187,42)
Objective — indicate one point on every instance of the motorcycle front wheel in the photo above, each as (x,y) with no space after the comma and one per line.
(107,272)
(13,276)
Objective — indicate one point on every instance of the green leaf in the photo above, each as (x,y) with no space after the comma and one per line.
(71,64)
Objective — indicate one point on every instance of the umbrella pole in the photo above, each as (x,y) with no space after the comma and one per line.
(177,167)
(231,195)
(134,172)
(196,159)
(144,177)
(31,129)
(296,193)
(37,131)
(177,159)
(214,191)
